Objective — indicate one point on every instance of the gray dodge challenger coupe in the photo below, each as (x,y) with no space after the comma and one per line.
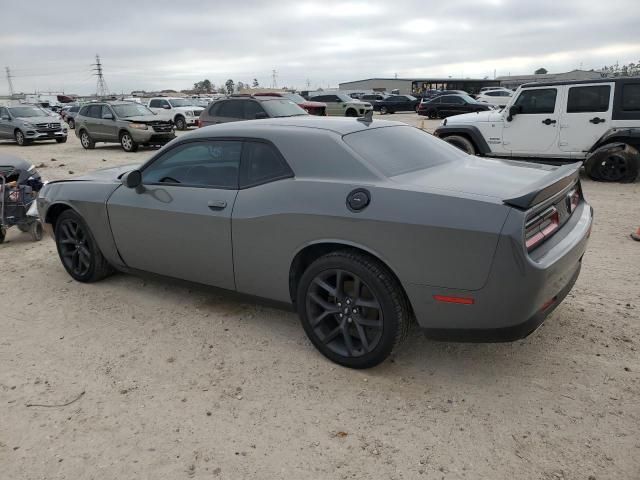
(363,226)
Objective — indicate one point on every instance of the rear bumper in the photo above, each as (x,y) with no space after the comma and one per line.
(520,292)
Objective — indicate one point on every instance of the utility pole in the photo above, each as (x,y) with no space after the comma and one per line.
(101,87)
(274,76)
(9,76)
(308,83)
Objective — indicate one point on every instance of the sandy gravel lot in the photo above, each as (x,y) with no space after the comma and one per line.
(186,382)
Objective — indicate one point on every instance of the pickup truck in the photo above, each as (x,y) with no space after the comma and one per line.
(180,111)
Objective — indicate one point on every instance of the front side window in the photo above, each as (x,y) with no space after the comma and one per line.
(542,100)
(262,164)
(214,164)
(3,112)
(94,111)
(251,109)
(631,97)
(588,99)
(106,111)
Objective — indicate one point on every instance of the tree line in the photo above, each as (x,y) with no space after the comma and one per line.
(229,87)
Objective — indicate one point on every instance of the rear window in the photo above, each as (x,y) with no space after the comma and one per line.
(588,99)
(631,97)
(398,150)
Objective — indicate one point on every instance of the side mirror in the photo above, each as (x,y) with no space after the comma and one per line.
(166,107)
(513,111)
(132,179)
(261,115)
(107,116)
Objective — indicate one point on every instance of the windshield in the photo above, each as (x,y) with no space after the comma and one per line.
(131,110)
(22,112)
(282,108)
(403,149)
(294,97)
(181,102)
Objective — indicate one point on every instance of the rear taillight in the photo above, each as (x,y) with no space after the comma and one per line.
(541,227)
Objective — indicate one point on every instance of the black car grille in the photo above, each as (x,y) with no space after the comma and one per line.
(161,127)
(197,113)
(47,127)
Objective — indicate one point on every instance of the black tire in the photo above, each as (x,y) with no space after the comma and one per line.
(78,250)
(21,140)
(613,163)
(384,110)
(181,123)
(462,143)
(351,113)
(35,230)
(61,140)
(86,141)
(128,143)
(71,123)
(3,234)
(432,114)
(382,316)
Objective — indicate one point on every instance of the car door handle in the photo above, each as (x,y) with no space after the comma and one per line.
(597,120)
(217,204)
(548,121)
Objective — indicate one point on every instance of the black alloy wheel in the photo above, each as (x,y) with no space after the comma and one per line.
(78,250)
(352,309)
(613,168)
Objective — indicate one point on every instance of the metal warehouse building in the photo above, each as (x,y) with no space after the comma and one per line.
(408,86)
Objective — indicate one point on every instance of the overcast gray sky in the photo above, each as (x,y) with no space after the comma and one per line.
(49,45)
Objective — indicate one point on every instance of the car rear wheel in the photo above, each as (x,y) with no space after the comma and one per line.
(181,124)
(613,163)
(86,141)
(462,143)
(384,110)
(432,114)
(128,143)
(78,250)
(352,309)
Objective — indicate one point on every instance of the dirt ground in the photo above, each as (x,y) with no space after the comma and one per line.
(184,382)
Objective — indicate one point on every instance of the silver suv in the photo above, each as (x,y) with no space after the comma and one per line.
(128,123)
(28,123)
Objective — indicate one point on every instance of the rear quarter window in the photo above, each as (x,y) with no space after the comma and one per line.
(631,97)
(398,150)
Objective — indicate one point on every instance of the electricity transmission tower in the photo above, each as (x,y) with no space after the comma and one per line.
(274,76)
(9,76)
(101,87)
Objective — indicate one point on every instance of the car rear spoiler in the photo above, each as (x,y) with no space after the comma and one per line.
(547,187)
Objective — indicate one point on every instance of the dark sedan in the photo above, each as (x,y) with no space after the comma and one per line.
(396,103)
(448,105)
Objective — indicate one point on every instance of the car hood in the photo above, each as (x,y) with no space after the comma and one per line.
(104,175)
(474,117)
(144,119)
(491,178)
(42,119)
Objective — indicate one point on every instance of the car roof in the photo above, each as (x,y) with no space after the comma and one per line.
(581,82)
(338,125)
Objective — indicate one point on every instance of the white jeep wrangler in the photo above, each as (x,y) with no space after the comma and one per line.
(181,111)
(596,121)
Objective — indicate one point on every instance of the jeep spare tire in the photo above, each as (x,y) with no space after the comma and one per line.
(614,162)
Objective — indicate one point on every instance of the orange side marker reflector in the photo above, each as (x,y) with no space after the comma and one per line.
(460,300)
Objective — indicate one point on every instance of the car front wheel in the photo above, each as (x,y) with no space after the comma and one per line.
(352,309)
(128,143)
(78,250)
(462,143)
(20,138)
(181,124)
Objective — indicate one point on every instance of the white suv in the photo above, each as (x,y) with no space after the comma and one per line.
(181,111)
(498,97)
(595,121)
